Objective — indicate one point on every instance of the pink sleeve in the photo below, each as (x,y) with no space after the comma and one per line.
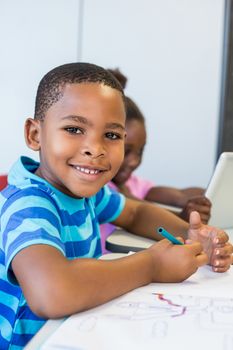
(139,187)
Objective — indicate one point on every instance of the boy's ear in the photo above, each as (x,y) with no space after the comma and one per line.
(32,129)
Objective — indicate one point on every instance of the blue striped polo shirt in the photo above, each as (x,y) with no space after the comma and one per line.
(34,212)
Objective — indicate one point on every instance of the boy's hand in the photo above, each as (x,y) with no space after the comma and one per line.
(200,204)
(214,241)
(175,263)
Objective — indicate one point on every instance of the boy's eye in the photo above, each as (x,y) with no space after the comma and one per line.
(73,130)
(112,136)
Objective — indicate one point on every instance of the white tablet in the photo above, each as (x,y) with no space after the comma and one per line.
(220,192)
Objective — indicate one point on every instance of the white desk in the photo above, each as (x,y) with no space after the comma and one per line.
(205,298)
(121,242)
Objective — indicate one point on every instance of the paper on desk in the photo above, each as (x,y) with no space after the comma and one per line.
(157,316)
(204,282)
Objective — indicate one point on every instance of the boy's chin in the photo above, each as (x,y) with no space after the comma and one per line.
(85,193)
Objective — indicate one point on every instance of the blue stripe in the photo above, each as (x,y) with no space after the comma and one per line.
(74,249)
(99,196)
(30,191)
(9,190)
(24,312)
(8,288)
(17,217)
(7,313)
(76,219)
(98,250)
(3,342)
(2,257)
(26,237)
(111,209)
(21,339)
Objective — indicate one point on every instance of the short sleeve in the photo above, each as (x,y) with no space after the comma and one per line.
(29,218)
(139,187)
(109,204)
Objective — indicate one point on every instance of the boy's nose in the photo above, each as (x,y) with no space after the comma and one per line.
(94,151)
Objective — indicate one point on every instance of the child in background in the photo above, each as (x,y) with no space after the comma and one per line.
(51,211)
(126,182)
(189,199)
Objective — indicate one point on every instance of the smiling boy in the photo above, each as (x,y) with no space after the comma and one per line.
(50,212)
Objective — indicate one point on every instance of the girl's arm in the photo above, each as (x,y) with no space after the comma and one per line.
(173,196)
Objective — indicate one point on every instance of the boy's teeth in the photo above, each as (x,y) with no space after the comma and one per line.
(87,171)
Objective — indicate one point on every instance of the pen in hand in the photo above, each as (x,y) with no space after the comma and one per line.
(169,236)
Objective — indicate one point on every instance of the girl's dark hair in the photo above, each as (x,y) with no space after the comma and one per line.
(132,110)
(119,76)
(51,86)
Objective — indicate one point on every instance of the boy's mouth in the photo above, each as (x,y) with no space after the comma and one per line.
(88,171)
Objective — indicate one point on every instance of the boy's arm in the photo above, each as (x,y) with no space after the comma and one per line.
(143,218)
(56,287)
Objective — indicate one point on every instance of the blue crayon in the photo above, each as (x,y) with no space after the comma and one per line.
(169,236)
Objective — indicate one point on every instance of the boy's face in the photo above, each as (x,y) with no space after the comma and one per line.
(81,139)
(134,145)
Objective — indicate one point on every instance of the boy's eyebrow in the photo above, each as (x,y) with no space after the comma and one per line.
(77,118)
(115,126)
(85,121)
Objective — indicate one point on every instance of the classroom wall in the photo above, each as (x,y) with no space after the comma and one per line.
(35,36)
(171,51)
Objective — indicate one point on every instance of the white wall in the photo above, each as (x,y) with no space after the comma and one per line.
(170,50)
(35,36)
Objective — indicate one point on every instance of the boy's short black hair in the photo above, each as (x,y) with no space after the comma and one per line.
(51,86)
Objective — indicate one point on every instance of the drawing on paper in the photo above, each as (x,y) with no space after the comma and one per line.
(151,318)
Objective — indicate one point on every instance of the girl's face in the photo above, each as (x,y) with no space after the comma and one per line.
(134,145)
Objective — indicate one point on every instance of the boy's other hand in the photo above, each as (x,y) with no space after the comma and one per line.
(175,263)
(200,204)
(214,241)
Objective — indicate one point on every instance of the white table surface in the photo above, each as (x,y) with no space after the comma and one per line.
(119,238)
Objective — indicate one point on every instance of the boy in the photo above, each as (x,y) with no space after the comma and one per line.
(50,212)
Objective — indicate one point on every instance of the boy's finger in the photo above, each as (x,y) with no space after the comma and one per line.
(180,239)
(224,251)
(194,221)
(221,262)
(196,248)
(220,237)
(202,259)
(220,269)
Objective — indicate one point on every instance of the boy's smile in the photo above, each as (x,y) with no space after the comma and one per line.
(81,139)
